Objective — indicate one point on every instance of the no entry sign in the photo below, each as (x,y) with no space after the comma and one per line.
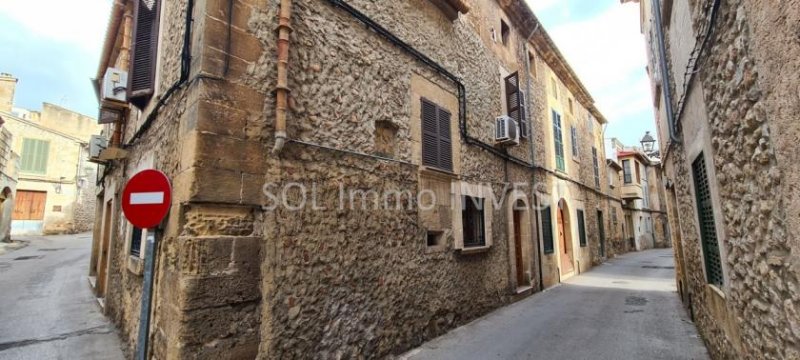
(146,198)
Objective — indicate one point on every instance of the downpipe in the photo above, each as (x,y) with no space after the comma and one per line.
(665,83)
(282,88)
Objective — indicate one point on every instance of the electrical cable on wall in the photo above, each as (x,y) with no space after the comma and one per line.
(696,56)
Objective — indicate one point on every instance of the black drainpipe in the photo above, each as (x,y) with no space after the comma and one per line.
(462,93)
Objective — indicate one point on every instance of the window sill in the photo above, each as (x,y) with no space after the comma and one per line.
(427,170)
(475,250)
(715,288)
(135,265)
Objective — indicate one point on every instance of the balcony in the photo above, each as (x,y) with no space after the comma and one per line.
(632,191)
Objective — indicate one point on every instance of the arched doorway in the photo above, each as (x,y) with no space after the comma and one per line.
(565,239)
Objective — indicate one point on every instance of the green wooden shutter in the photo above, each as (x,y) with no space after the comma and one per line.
(34,156)
(705,214)
(596,166)
(581,228)
(559,142)
(547,230)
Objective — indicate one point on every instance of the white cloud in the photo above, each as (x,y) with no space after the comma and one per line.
(76,22)
(607,51)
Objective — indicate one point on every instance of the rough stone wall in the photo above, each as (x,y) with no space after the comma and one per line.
(744,93)
(236,280)
(83,215)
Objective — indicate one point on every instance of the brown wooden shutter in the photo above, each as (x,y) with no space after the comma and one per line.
(144,50)
(514,103)
(430,134)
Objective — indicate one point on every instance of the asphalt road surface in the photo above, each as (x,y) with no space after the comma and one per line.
(627,308)
(47,310)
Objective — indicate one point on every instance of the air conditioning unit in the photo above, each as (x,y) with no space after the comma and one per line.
(506,130)
(115,86)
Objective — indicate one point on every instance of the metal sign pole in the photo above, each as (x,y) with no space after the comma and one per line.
(147,296)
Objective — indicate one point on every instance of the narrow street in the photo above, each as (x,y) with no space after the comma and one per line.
(626,308)
(47,310)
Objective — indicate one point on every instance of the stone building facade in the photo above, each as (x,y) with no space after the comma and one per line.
(54,173)
(399,240)
(729,153)
(9,177)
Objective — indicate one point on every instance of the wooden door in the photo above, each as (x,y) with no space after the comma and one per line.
(102,263)
(518,249)
(29,205)
(566,248)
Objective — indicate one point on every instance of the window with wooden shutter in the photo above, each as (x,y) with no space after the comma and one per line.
(34,156)
(515,103)
(559,142)
(437,142)
(574,136)
(596,167)
(581,228)
(547,230)
(144,51)
(705,214)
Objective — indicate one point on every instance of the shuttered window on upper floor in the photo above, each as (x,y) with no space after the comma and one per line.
(574,138)
(515,103)
(437,142)
(596,167)
(34,156)
(559,142)
(144,52)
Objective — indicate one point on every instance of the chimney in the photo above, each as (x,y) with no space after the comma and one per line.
(8,84)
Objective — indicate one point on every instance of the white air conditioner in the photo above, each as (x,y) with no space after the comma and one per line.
(115,86)
(506,130)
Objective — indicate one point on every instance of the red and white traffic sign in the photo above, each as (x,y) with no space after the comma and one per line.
(146,198)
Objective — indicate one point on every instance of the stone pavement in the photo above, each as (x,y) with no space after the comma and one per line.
(47,310)
(627,308)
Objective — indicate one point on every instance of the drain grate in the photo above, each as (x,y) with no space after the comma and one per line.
(619,282)
(51,249)
(29,257)
(658,267)
(633,311)
(635,301)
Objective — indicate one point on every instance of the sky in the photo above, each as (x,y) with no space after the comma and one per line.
(53,48)
(602,42)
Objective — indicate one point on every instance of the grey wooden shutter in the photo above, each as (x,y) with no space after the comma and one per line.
(144,50)
(445,141)
(430,134)
(437,143)
(515,103)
